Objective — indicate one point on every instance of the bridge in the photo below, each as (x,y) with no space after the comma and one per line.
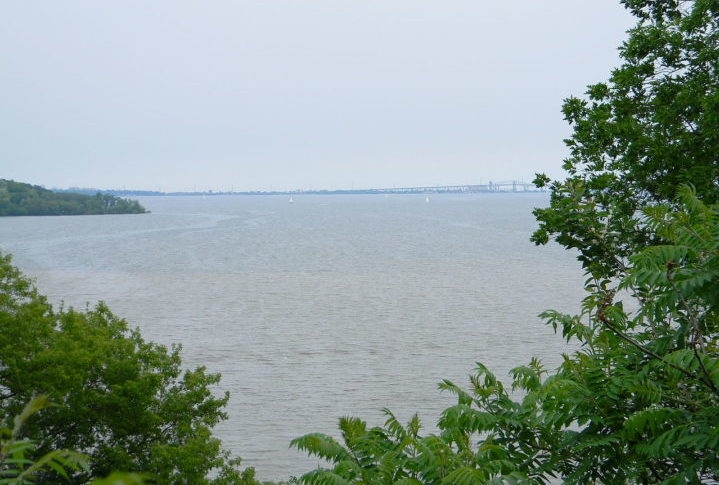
(503,186)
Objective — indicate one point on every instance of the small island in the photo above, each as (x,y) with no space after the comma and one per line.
(20,199)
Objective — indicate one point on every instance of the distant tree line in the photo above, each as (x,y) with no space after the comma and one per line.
(20,199)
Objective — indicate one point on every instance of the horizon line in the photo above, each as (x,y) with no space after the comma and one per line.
(501,186)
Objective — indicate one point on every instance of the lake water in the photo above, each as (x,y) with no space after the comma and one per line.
(325,307)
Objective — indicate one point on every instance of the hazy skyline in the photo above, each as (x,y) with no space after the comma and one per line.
(267,94)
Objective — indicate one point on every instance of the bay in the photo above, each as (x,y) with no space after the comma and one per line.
(330,306)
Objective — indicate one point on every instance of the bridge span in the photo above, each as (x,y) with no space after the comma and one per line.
(503,186)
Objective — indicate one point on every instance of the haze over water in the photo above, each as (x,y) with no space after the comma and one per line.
(326,307)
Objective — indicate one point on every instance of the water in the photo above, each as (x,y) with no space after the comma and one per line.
(326,307)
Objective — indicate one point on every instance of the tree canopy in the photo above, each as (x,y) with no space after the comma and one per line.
(20,199)
(638,137)
(638,402)
(125,402)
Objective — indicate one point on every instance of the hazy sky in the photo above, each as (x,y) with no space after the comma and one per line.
(293,94)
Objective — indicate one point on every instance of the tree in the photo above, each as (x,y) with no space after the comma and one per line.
(643,170)
(651,128)
(645,387)
(15,466)
(639,401)
(124,402)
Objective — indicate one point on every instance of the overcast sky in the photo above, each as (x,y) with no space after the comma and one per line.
(293,94)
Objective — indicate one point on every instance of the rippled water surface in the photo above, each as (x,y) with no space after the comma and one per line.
(329,306)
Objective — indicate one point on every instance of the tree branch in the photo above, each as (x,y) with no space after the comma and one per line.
(605,321)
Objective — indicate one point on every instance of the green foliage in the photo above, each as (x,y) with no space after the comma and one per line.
(636,138)
(124,402)
(118,478)
(650,412)
(639,206)
(19,199)
(397,454)
(18,463)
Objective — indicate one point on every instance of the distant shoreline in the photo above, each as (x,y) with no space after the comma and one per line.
(23,199)
(500,187)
